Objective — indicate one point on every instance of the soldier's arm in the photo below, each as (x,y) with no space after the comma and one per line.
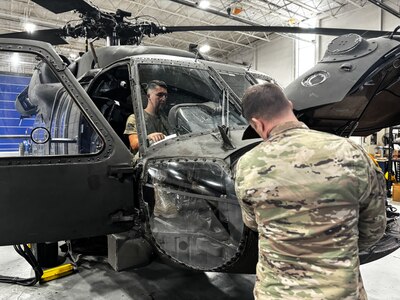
(134,141)
(248,215)
(372,220)
(131,132)
(154,137)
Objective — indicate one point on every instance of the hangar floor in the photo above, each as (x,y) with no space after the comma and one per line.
(97,280)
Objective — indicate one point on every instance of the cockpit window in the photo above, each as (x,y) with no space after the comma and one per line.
(196,101)
(238,82)
(38,116)
(185,85)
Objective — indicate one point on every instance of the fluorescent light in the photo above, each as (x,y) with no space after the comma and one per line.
(204,4)
(73,56)
(29,27)
(15,59)
(204,48)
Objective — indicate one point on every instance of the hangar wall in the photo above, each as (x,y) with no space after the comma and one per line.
(277,58)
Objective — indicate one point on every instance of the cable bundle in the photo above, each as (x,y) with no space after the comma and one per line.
(26,253)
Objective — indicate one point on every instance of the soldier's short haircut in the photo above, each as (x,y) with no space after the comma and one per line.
(265,101)
(154,84)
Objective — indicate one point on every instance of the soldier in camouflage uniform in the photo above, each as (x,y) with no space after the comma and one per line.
(157,125)
(315,199)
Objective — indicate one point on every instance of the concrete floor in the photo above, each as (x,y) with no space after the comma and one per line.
(97,280)
(382,277)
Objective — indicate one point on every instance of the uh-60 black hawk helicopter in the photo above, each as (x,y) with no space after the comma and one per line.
(79,179)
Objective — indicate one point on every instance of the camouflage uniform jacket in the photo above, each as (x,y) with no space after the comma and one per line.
(315,200)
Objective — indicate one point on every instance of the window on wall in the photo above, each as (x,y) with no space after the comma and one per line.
(305,49)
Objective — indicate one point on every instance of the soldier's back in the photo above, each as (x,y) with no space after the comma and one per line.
(306,207)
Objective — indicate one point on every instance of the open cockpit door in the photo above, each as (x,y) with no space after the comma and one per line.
(64,172)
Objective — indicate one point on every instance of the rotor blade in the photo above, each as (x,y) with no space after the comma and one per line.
(64,6)
(52,36)
(281,29)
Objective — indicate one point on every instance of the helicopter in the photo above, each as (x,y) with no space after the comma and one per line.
(76,176)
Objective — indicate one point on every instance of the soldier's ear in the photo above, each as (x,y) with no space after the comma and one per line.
(258,125)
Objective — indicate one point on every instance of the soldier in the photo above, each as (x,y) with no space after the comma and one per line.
(315,199)
(157,125)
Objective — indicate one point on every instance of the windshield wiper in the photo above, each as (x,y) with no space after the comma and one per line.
(225,108)
(216,77)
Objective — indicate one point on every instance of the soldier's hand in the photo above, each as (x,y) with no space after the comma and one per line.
(156,136)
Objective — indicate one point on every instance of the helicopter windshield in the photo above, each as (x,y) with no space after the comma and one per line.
(196,101)
(237,82)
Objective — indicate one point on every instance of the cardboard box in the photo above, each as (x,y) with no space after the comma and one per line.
(396,192)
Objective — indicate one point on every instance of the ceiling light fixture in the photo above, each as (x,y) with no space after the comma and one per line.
(204,4)
(73,56)
(204,48)
(29,27)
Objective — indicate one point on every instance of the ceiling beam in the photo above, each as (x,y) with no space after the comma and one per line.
(305,6)
(199,20)
(385,7)
(354,3)
(290,12)
(225,15)
(215,12)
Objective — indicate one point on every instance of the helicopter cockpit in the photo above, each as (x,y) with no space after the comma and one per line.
(199,99)
(202,94)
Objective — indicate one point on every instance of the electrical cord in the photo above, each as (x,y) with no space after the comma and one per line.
(26,253)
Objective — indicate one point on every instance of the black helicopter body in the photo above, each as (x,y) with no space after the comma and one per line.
(80,179)
(191,171)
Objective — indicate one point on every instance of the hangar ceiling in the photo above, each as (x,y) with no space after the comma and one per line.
(14,13)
